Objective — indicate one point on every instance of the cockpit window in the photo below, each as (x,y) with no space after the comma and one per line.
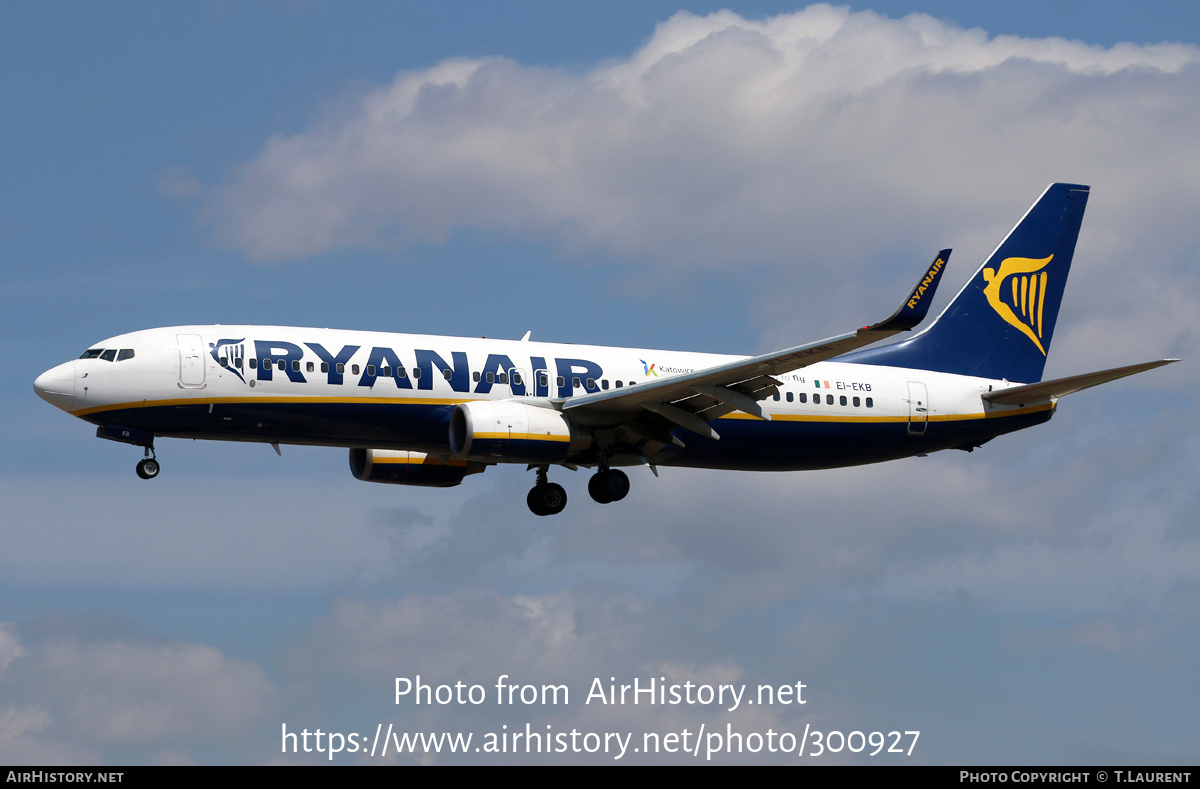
(109,355)
(125,353)
(92,353)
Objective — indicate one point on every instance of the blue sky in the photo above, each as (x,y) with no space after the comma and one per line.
(758,202)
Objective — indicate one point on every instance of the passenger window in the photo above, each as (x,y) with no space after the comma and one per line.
(475,376)
(386,372)
(447,374)
(266,363)
(775,397)
(223,361)
(591,384)
(109,355)
(560,382)
(401,372)
(416,372)
(127,353)
(282,365)
(371,370)
(804,397)
(341,368)
(604,384)
(491,378)
(516,379)
(870,403)
(828,399)
(543,379)
(253,363)
(238,361)
(502,377)
(575,383)
(309,367)
(789,397)
(91,353)
(843,399)
(325,367)
(856,402)
(295,366)
(619,383)
(354,369)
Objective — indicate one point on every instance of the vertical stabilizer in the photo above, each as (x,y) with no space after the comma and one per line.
(1001,323)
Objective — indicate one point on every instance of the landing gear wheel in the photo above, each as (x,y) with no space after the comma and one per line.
(597,489)
(147,468)
(548,499)
(608,486)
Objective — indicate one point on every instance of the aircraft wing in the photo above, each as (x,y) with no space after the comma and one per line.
(694,399)
(1060,387)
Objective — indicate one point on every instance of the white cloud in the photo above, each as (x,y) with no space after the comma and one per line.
(808,151)
(724,140)
(64,698)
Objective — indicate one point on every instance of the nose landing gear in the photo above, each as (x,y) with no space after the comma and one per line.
(147,467)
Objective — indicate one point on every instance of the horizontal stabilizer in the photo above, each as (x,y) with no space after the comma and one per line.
(1059,387)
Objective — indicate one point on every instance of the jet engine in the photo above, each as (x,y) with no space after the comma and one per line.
(410,468)
(489,430)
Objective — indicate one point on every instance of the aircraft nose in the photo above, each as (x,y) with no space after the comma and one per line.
(57,386)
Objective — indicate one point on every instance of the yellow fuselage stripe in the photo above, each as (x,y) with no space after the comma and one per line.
(534,436)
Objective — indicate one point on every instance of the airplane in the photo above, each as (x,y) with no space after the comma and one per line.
(431,410)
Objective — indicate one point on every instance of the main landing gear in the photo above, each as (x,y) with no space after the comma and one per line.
(608,485)
(547,498)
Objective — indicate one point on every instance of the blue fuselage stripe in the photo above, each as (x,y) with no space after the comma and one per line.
(746,444)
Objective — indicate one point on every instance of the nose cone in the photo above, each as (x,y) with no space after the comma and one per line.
(57,386)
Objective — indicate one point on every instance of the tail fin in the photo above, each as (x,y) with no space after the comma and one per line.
(1001,323)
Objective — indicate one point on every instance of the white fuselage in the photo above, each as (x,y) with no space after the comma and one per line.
(394,391)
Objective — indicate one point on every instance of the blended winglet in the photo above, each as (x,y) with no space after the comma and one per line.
(916,306)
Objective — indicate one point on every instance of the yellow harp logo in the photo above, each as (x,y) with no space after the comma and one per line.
(1021,303)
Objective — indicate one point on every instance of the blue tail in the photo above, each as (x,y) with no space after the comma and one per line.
(1001,323)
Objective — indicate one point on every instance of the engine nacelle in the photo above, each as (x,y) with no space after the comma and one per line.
(409,468)
(513,432)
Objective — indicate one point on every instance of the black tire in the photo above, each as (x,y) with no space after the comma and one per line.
(597,489)
(608,486)
(617,485)
(534,500)
(548,499)
(147,468)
